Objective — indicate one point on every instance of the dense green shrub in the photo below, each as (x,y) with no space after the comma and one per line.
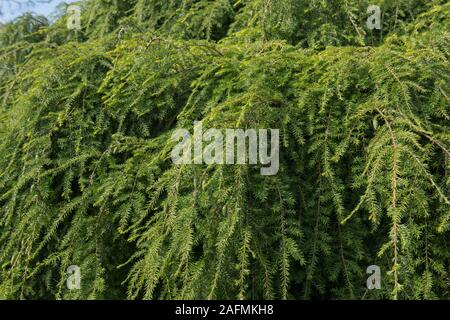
(86,177)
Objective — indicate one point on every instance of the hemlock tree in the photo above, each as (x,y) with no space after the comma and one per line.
(86,178)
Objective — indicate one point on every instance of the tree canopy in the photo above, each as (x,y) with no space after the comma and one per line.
(86,177)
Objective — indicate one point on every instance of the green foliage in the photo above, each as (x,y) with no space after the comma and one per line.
(86,177)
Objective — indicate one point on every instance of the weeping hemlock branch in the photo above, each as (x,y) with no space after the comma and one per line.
(86,178)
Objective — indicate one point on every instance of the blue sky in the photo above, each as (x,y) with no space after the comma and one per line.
(12,11)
